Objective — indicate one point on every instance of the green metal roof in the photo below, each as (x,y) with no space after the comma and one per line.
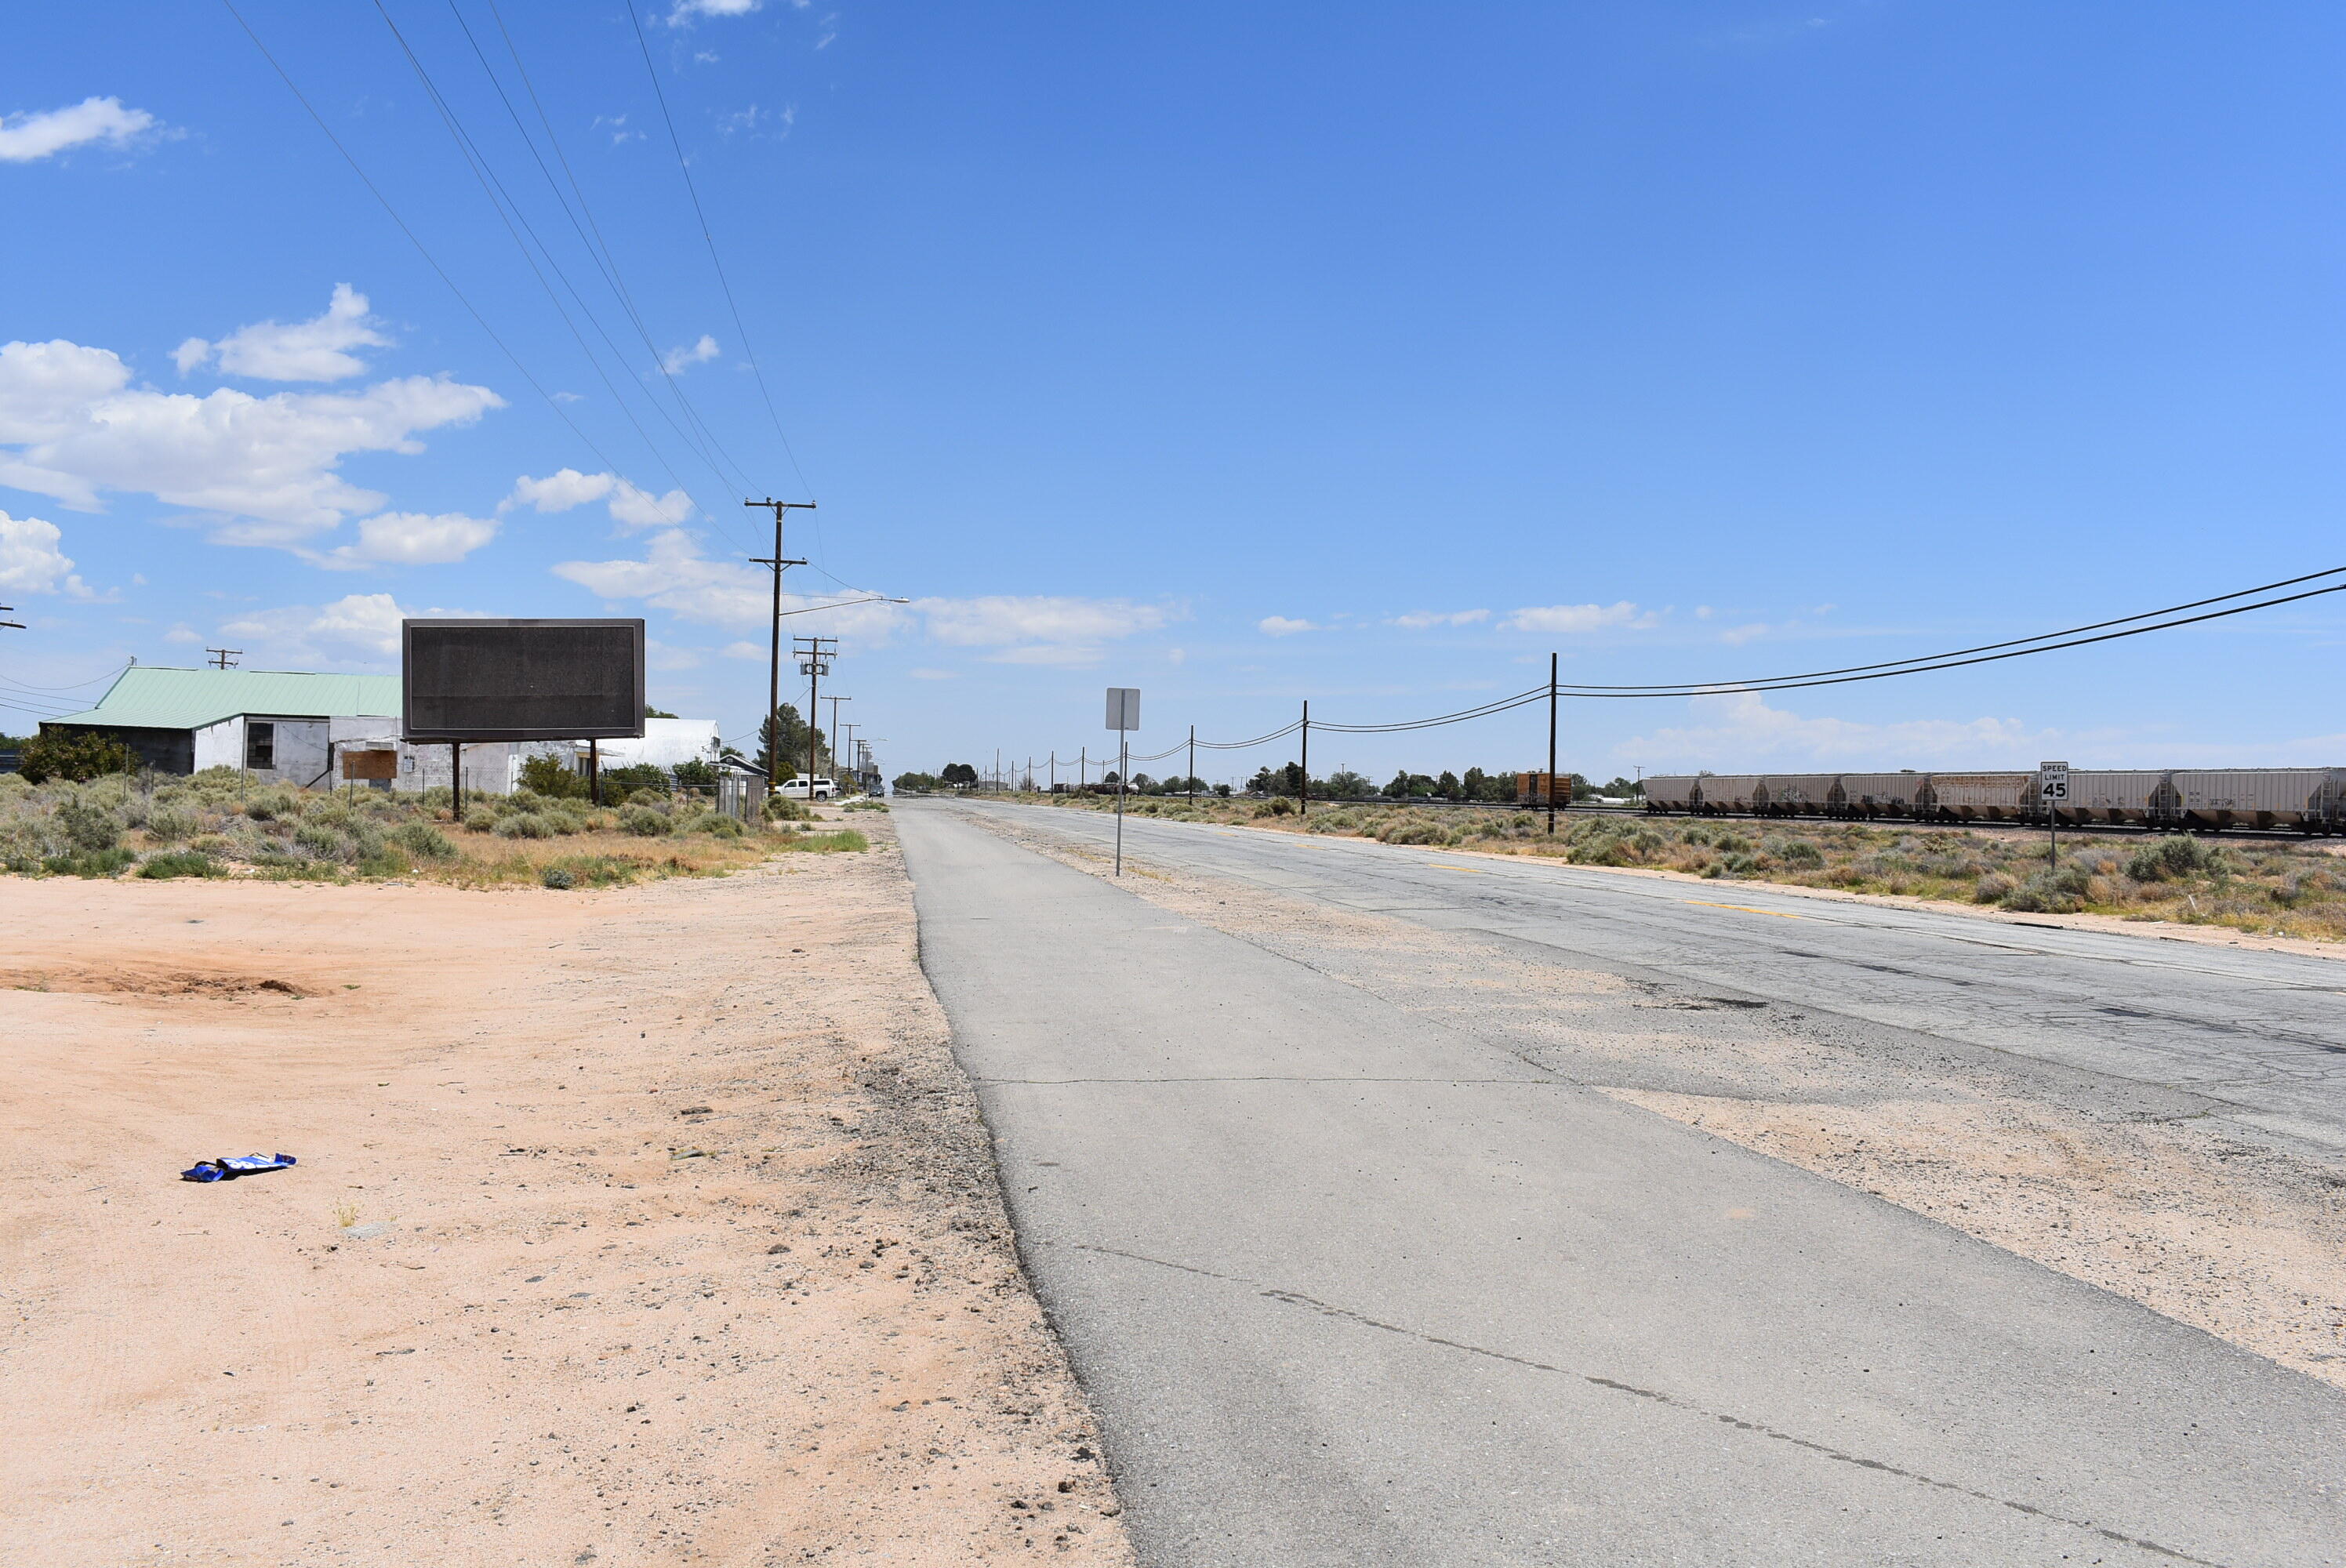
(152,698)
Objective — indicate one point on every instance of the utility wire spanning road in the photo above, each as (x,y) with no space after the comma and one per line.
(1354,1286)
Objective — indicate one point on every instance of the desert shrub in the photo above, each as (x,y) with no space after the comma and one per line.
(524,825)
(859,805)
(1798,854)
(1419,832)
(89,862)
(780,809)
(716,824)
(653,799)
(2051,892)
(551,778)
(89,827)
(27,841)
(180,864)
(557,879)
(1277,806)
(643,821)
(170,824)
(2175,858)
(481,820)
(323,842)
(271,805)
(423,841)
(73,758)
(1992,888)
(1740,863)
(624,784)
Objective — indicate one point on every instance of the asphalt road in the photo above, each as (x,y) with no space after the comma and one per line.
(1352,1286)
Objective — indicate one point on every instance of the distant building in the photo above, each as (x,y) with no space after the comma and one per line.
(665,743)
(287,726)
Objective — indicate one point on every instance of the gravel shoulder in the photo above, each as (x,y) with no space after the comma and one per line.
(648,1225)
(2074,1171)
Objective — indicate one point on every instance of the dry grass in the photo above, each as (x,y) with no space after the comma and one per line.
(217,824)
(2264,886)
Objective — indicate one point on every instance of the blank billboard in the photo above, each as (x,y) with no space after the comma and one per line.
(521,680)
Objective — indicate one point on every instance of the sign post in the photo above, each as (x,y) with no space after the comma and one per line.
(2053,788)
(1124,717)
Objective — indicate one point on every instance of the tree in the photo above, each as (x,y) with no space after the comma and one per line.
(960,775)
(1399,787)
(692,773)
(552,778)
(651,712)
(1262,783)
(793,740)
(1447,786)
(923,783)
(58,754)
(1346,785)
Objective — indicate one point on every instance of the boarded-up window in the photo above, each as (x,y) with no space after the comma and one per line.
(260,744)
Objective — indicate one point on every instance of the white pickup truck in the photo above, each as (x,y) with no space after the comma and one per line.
(804,789)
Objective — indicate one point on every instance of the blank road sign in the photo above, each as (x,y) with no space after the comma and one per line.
(1124,708)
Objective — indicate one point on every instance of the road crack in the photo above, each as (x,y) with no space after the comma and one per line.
(1656,1396)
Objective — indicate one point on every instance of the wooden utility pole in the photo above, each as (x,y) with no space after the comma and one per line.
(1193,765)
(836,752)
(222,658)
(814,663)
(1551,743)
(1303,784)
(773,736)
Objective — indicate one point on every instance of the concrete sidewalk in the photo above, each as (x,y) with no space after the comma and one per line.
(1350,1289)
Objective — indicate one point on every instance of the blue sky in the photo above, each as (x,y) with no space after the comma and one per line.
(1242,353)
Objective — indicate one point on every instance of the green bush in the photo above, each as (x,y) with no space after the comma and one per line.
(481,820)
(2175,858)
(557,879)
(423,841)
(637,778)
(781,809)
(75,757)
(89,864)
(643,821)
(180,864)
(271,805)
(524,825)
(323,842)
(170,824)
(846,839)
(552,779)
(88,826)
(717,825)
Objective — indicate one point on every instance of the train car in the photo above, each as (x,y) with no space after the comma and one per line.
(1983,797)
(1672,792)
(2139,795)
(1799,794)
(2306,798)
(1728,792)
(1877,794)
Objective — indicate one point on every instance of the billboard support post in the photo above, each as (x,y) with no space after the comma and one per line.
(594,772)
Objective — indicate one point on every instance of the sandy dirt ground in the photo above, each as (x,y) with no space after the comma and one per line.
(646,1225)
(2243,1240)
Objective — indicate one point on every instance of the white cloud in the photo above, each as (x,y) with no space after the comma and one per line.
(1423,620)
(1006,618)
(412,539)
(183,633)
(311,350)
(631,506)
(366,625)
(557,491)
(31,559)
(71,427)
(38,136)
(1283,627)
(1580,617)
(686,10)
(1738,730)
(641,509)
(747,650)
(1735,636)
(699,353)
(935,674)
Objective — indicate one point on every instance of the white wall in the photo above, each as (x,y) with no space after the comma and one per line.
(666,742)
(220,745)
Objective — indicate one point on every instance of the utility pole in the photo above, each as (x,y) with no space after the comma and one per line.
(1055,772)
(1303,784)
(1551,743)
(1082,767)
(838,755)
(774,640)
(13,626)
(1193,765)
(814,663)
(222,658)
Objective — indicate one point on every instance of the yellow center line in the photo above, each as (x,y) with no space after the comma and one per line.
(1471,870)
(1743,909)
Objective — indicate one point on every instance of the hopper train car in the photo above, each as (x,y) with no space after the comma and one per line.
(2308,799)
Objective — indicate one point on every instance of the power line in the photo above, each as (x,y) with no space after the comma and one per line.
(509,212)
(421,248)
(747,353)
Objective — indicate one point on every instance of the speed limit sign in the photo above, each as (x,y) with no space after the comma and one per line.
(2053,780)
